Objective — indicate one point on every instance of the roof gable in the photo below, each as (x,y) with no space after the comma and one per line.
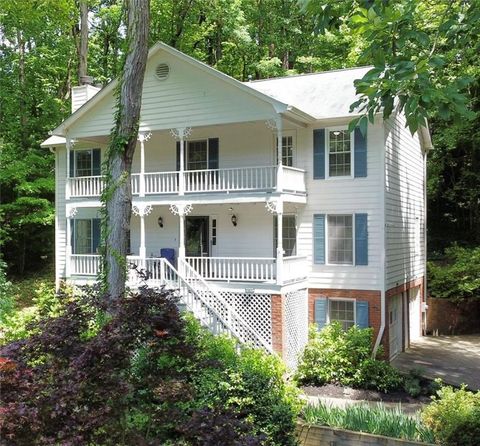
(193,94)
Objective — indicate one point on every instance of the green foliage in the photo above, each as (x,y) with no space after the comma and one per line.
(7,303)
(454,417)
(377,420)
(334,355)
(19,323)
(458,277)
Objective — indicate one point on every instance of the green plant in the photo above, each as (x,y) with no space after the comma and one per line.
(378,375)
(454,416)
(7,303)
(458,277)
(372,419)
(334,355)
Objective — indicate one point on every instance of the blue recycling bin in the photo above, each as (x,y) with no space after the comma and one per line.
(169,254)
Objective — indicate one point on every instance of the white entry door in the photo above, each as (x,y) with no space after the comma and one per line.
(414,313)
(395,325)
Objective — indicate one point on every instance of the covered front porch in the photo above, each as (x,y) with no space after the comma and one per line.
(230,243)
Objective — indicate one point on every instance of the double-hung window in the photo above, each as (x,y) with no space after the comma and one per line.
(289,231)
(339,153)
(287,150)
(342,311)
(340,239)
(197,155)
(85,235)
(85,163)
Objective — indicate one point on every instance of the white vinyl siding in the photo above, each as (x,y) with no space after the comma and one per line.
(343,196)
(404,204)
(190,96)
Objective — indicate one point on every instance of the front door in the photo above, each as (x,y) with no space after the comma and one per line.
(197,237)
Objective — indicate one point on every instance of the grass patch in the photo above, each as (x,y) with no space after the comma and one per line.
(377,420)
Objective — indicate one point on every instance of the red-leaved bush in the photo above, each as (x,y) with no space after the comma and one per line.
(89,377)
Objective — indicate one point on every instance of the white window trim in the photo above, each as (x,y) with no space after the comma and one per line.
(327,154)
(290,214)
(74,234)
(327,262)
(344,299)
(285,133)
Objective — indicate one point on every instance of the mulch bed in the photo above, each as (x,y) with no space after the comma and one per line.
(336,391)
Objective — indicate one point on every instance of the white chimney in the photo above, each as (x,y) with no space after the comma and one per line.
(82,94)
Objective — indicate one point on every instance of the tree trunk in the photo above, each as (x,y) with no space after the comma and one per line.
(83,46)
(118,194)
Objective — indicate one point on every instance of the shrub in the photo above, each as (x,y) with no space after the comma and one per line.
(336,356)
(458,277)
(7,303)
(454,416)
(140,375)
(372,419)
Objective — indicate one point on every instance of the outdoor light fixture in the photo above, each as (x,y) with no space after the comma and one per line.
(160,222)
(234,220)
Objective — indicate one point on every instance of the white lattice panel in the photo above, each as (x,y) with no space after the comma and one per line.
(296,322)
(255,309)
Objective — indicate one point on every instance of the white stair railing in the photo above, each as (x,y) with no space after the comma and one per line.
(208,306)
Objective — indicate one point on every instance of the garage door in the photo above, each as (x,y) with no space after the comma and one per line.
(414,313)
(395,325)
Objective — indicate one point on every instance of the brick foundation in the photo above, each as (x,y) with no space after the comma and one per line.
(278,324)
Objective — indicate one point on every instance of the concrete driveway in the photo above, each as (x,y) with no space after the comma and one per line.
(455,359)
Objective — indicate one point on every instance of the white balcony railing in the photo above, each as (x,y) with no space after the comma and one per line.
(200,181)
(248,269)
(294,269)
(226,269)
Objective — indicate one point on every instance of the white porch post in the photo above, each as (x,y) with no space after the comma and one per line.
(142,211)
(182,210)
(142,137)
(279,209)
(69,146)
(181,134)
(279,126)
(68,251)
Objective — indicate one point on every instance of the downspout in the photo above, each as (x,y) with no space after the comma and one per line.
(426,142)
(382,256)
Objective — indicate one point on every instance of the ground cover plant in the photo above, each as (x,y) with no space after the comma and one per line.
(140,375)
(344,357)
(377,420)
(454,417)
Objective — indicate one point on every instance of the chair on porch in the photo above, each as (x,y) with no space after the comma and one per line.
(168,254)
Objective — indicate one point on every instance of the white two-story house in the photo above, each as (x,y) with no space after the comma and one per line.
(254,196)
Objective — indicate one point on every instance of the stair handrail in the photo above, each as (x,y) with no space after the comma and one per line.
(232,314)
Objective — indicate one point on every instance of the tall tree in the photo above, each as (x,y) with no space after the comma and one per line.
(83,44)
(117,197)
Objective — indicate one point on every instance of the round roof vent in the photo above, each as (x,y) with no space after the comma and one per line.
(162,71)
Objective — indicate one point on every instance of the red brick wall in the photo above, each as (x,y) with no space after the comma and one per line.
(278,324)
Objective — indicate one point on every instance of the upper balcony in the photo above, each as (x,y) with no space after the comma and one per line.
(265,179)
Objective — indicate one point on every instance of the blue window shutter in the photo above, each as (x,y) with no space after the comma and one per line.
(96,234)
(96,162)
(72,163)
(213,153)
(361,239)
(319,154)
(362,314)
(360,154)
(319,238)
(321,304)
